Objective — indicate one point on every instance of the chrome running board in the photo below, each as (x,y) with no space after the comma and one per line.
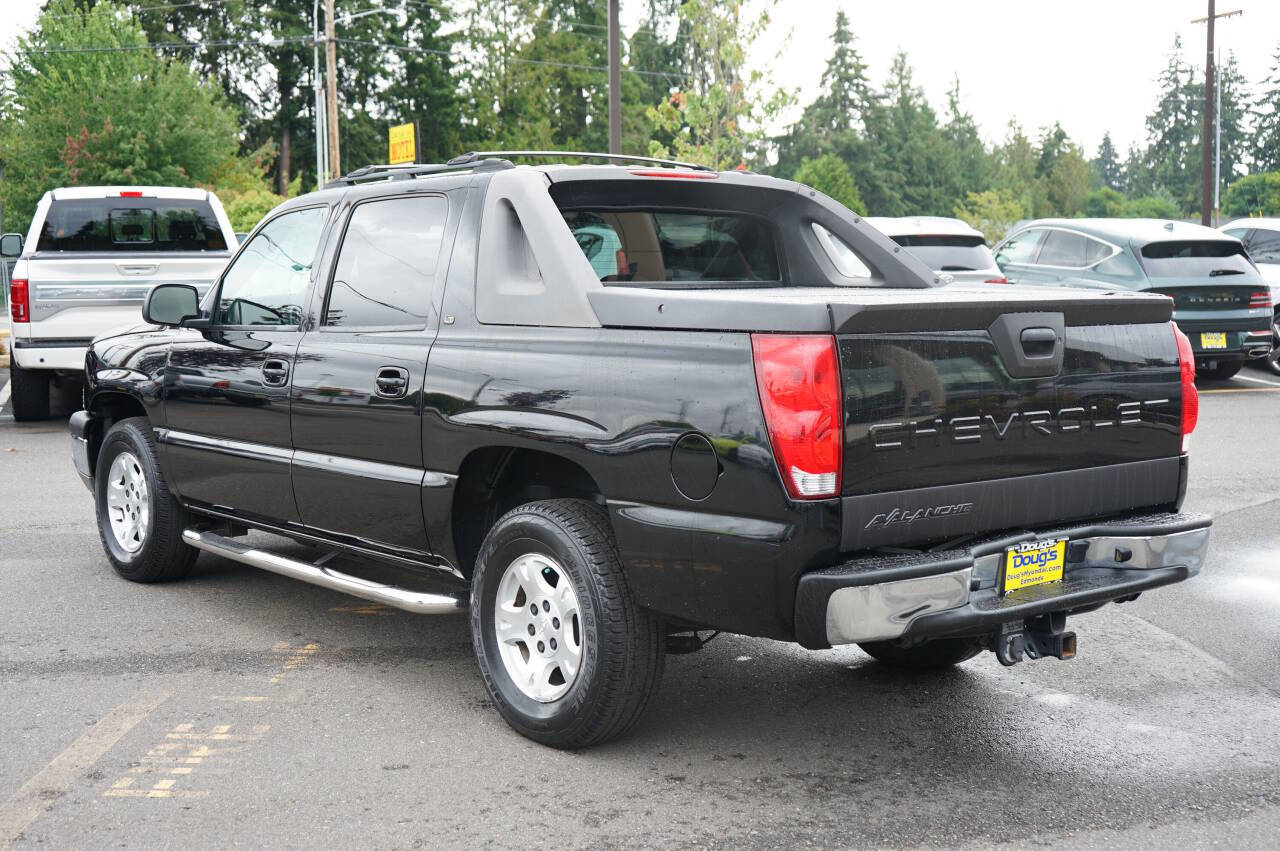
(418,602)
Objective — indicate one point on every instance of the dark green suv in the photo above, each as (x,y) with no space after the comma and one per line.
(1220,300)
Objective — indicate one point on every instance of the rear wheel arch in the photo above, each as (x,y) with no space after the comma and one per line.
(495,479)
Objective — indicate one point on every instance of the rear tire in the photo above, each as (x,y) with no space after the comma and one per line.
(1272,360)
(932,655)
(139,521)
(1222,371)
(29,393)
(550,570)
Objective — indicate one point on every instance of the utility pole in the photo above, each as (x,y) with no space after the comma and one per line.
(1206,173)
(615,80)
(322,132)
(331,71)
(1208,185)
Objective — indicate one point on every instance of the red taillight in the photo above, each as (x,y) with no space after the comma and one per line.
(130,193)
(996,281)
(19,301)
(1262,299)
(1190,397)
(799,382)
(670,172)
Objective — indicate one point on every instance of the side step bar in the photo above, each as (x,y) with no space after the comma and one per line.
(418,602)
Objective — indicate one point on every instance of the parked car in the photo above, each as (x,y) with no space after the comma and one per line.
(89,258)
(1220,300)
(1261,238)
(944,245)
(727,433)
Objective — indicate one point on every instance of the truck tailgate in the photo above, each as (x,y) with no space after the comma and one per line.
(946,435)
(75,297)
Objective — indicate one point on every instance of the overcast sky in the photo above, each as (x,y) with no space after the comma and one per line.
(1090,64)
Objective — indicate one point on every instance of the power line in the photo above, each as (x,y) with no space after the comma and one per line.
(163,7)
(172,45)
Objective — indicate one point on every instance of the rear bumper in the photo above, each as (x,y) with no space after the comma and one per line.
(935,594)
(60,354)
(1245,339)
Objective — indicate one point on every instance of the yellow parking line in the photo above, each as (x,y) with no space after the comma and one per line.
(70,765)
(1242,390)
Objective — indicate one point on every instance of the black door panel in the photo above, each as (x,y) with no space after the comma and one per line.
(359,460)
(227,442)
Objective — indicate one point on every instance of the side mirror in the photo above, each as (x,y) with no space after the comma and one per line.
(10,245)
(171,304)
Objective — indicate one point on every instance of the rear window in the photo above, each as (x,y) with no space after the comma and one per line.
(647,246)
(950,252)
(130,224)
(1196,258)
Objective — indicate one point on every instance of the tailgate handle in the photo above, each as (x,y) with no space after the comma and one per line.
(1031,345)
(1039,342)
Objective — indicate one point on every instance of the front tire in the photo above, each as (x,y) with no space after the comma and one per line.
(568,657)
(29,393)
(929,656)
(139,521)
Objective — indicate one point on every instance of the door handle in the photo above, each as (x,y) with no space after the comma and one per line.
(392,382)
(275,372)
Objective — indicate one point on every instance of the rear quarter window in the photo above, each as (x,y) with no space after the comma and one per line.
(130,224)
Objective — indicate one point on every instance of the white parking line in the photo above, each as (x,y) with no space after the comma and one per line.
(4,395)
(1238,378)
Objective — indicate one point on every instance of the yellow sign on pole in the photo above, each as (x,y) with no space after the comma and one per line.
(401,148)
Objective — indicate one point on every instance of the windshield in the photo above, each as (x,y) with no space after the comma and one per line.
(949,253)
(130,224)
(645,246)
(1196,258)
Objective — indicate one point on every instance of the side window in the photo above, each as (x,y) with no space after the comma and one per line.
(1020,248)
(387,264)
(1264,246)
(1095,252)
(1062,248)
(268,281)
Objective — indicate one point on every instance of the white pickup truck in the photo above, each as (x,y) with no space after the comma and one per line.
(90,257)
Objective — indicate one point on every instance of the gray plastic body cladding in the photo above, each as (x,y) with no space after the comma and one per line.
(951,511)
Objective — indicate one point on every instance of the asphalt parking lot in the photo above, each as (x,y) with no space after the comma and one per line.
(240,708)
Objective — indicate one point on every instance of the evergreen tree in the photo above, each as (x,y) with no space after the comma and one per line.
(1266,132)
(1173,132)
(1234,111)
(1107,164)
(970,165)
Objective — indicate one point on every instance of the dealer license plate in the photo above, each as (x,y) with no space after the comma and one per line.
(1215,340)
(1034,563)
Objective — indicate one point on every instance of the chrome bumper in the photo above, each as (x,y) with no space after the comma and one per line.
(948,593)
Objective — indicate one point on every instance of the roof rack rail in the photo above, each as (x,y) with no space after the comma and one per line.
(472,156)
(408,171)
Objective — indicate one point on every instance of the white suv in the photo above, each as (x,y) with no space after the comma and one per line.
(89,259)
